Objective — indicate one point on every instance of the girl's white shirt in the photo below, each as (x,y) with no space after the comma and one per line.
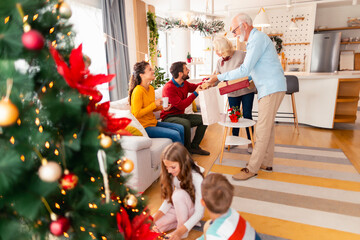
(199,209)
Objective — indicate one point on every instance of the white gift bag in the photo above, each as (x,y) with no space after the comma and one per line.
(209,105)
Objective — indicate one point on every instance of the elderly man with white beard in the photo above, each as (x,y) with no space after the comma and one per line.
(262,63)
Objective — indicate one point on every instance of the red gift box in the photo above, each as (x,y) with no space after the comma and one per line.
(233,85)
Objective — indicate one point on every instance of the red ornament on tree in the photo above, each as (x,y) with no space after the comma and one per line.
(33,40)
(58,227)
(69,180)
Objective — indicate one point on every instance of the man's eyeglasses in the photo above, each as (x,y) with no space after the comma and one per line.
(234,31)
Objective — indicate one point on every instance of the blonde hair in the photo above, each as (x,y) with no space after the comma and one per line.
(223,45)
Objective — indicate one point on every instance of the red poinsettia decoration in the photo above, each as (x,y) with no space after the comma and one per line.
(113,125)
(136,229)
(78,76)
(234,114)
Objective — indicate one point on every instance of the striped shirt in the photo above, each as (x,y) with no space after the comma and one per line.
(230,226)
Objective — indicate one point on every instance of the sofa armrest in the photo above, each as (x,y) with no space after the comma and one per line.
(135,143)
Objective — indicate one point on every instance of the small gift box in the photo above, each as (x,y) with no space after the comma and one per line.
(233,85)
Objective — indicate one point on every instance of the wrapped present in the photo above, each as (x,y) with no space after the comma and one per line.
(233,85)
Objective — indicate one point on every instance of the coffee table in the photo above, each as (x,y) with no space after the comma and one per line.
(235,140)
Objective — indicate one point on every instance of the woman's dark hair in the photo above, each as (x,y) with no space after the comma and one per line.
(135,79)
(176,68)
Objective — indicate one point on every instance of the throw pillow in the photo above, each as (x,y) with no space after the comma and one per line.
(134,122)
(133,130)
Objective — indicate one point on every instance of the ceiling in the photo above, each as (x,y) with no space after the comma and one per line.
(229,6)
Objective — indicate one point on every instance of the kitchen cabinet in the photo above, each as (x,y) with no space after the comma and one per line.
(347,100)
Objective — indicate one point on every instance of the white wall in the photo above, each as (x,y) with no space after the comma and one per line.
(130,28)
(333,17)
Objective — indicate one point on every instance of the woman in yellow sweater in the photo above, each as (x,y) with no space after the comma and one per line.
(143,104)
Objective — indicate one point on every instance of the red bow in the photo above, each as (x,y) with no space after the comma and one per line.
(138,228)
(224,59)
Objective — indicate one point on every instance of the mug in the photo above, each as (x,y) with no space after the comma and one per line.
(165,103)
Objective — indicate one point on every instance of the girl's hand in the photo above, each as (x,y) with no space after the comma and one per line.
(168,108)
(174,236)
(158,102)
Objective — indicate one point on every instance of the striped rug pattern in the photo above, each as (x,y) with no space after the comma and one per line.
(313,193)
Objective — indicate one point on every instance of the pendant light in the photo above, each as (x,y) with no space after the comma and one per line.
(261,19)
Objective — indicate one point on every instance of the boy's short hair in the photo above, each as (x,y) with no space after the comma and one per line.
(217,193)
(176,68)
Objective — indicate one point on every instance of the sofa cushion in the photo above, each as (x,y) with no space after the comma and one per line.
(135,143)
(127,114)
(133,130)
(157,146)
(122,104)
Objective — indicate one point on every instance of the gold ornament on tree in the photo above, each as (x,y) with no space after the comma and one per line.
(127,165)
(9,113)
(105,141)
(64,10)
(130,201)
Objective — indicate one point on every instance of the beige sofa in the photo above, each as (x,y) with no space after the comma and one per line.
(145,152)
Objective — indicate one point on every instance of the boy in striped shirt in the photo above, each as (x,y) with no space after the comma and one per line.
(226,223)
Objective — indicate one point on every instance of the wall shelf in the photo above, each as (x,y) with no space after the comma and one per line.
(350,42)
(276,34)
(301,43)
(336,29)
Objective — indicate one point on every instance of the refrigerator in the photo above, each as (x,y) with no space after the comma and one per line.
(325,52)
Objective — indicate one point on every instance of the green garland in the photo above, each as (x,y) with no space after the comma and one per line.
(205,27)
(153,36)
(278,42)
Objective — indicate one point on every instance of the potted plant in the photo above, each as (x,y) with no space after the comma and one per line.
(189,58)
(234,114)
(160,79)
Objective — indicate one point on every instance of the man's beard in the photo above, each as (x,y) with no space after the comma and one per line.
(241,37)
(185,77)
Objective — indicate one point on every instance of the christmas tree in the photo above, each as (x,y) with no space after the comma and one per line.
(60,161)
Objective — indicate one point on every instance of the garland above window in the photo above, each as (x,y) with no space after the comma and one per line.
(204,27)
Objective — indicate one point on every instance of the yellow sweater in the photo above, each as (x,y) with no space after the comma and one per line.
(143,105)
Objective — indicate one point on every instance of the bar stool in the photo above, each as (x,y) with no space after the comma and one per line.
(292,87)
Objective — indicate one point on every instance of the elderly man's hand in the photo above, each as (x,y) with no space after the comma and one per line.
(212,79)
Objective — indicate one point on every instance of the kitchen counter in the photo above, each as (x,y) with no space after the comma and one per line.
(323,98)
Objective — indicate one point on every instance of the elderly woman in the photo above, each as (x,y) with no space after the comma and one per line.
(232,59)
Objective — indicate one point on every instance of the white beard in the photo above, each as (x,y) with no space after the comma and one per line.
(241,37)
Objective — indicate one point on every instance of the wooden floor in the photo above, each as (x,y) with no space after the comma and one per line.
(347,140)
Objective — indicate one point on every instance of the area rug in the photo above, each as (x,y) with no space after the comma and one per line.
(313,193)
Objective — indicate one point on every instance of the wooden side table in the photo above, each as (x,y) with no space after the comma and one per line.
(235,140)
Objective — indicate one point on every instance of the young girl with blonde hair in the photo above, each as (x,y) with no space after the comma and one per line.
(181,182)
